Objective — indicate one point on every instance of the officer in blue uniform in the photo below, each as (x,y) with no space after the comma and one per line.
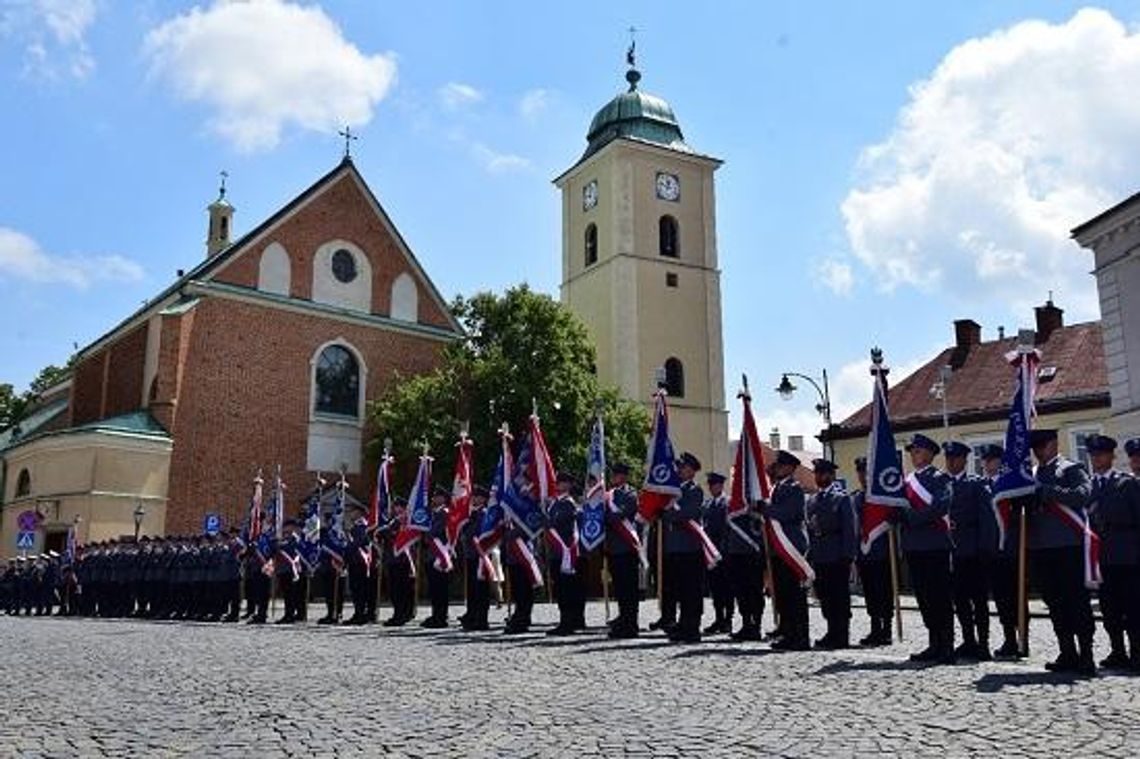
(478,589)
(1003,572)
(569,589)
(1057,544)
(831,526)
(361,569)
(400,566)
(622,554)
(1114,509)
(874,568)
(926,544)
(787,508)
(522,587)
(975,539)
(714,517)
(683,553)
(439,578)
(289,569)
(1132,449)
(743,554)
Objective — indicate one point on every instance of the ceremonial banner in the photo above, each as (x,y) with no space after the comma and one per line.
(532,485)
(277,505)
(662,482)
(336,542)
(750,482)
(1015,478)
(592,519)
(253,519)
(492,524)
(460,510)
(419,508)
(311,536)
(886,488)
(381,506)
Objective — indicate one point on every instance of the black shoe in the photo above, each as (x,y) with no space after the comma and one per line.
(1008,650)
(661,624)
(432,623)
(982,652)
(869,639)
(1115,660)
(1086,666)
(1066,662)
(968,650)
(792,644)
(256,620)
(516,628)
(928,654)
(747,633)
(824,643)
(678,636)
(623,632)
(560,630)
(714,628)
(286,621)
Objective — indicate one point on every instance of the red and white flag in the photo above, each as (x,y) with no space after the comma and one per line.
(460,510)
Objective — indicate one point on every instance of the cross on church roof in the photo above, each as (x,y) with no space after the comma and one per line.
(222,189)
(348,136)
(631,54)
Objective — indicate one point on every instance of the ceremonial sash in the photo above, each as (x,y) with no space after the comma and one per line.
(921,499)
(366,557)
(486,569)
(337,558)
(442,552)
(1003,511)
(743,533)
(525,557)
(788,552)
(711,554)
(568,554)
(293,564)
(1090,541)
(627,532)
(874,525)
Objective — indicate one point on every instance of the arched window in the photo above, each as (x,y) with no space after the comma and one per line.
(591,245)
(667,237)
(405,300)
(274,274)
(674,378)
(23,484)
(338,382)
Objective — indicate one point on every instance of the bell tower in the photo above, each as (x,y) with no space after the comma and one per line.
(221,219)
(639,264)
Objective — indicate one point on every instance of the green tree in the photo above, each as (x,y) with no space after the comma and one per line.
(520,347)
(49,376)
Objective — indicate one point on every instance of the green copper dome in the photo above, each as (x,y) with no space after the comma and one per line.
(635,115)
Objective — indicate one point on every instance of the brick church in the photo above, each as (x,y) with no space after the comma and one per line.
(263,354)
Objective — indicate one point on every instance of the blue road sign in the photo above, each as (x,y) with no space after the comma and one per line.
(25,541)
(213,524)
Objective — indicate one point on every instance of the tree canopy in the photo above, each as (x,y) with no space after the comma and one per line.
(519,347)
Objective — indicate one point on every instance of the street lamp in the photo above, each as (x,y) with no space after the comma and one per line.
(787,390)
(938,392)
(139,513)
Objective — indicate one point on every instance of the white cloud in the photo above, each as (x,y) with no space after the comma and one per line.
(1015,138)
(495,162)
(22,258)
(533,103)
(836,275)
(455,95)
(267,65)
(54,35)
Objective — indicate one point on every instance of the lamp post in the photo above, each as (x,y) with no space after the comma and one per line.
(138,514)
(938,391)
(787,390)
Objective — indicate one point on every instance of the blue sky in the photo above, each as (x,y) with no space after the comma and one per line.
(890,166)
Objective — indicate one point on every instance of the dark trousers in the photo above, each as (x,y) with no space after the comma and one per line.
(623,570)
(1120,605)
(833,589)
(1003,584)
(357,586)
(792,603)
(257,593)
(930,576)
(478,594)
(570,594)
(746,577)
(670,570)
(332,588)
(438,589)
(291,592)
(688,585)
(878,595)
(401,589)
(971,597)
(1060,574)
(522,594)
(720,590)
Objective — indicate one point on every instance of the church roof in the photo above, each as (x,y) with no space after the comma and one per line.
(637,115)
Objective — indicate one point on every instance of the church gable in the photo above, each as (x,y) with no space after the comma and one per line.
(334,245)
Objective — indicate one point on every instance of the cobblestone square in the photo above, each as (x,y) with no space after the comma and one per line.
(81,687)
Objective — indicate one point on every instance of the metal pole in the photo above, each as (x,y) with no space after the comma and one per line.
(1022,584)
(892,543)
(830,448)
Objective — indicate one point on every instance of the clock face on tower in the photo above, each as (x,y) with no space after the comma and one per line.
(590,195)
(668,186)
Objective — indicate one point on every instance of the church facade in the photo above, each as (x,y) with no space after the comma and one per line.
(262,355)
(639,265)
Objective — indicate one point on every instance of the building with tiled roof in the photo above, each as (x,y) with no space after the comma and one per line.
(1072,395)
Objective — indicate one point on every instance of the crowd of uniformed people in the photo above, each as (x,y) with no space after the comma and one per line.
(958,554)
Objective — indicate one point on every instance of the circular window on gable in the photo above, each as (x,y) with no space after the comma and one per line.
(343,266)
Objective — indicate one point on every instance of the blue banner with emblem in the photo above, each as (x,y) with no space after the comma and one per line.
(592,518)
(1015,478)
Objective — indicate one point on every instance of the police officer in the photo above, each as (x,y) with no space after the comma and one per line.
(564,559)
(361,569)
(975,540)
(1057,525)
(684,557)
(873,563)
(258,554)
(288,568)
(743,554)
(1003,570)
(400,566)
(786,509)
(438,565)
(622,548)
(1132,449)
(831,525)
(230,574)
(715,518)
(926,544)
(523,574)
(1114,510)
(478,582)
(330,568)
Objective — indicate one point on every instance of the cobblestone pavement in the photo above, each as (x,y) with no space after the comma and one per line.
(123,688)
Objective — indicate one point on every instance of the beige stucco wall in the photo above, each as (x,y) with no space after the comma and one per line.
(1068,424)
(636,321)
(101,477)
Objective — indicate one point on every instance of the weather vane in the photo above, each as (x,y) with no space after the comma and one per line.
(222,189)
(631,54)
(348,136)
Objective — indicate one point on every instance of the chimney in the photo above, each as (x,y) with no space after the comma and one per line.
(221,218)
(774,438)
(1049,320)
(967,333)
(795,442)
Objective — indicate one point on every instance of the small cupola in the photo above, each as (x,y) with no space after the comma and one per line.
(221,220)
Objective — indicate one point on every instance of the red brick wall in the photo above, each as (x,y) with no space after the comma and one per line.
(243,402)
(125,375)
(343,212)
(87,390)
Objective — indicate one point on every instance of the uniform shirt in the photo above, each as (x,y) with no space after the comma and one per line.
(1114,509)
(1064,482)
(971,516)
(925,529)
(831,526)
(562,517)
(625,501)
(678,539)
(787,507)
(715,519)
(467,548)
(439,523)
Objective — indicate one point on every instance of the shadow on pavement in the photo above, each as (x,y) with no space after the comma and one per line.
(706,650)
(996,681)
(849,665)
(640,645)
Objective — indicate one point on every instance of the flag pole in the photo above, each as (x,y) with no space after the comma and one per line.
(891,546)
(278,502)
(466,567)
(1023,583)
(376,528)
(545,564)
(767,580)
